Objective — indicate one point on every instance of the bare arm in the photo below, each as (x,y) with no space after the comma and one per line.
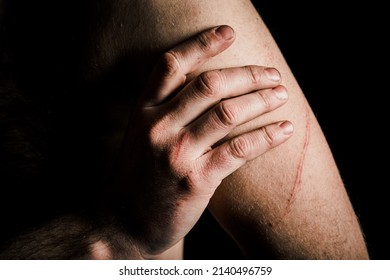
(167,173)
(292,200)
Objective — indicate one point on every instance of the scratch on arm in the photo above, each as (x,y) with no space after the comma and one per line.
(298,175)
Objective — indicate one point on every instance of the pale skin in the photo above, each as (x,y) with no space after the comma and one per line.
(290,200)
(170,164)
(182,134)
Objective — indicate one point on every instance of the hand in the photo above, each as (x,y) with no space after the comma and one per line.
(174,155)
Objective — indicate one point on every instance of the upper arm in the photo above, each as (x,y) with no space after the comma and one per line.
(292,198)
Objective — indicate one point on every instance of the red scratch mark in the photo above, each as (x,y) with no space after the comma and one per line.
(298,175)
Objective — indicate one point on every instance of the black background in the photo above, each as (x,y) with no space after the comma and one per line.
(337,54)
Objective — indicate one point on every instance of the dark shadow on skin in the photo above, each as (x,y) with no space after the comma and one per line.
(56,107)
(53,119)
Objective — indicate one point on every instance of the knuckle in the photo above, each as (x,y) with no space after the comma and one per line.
(239,147)
(268,136)
(209,84)
(254,73)
(178,150)
(225,113)
(159,131)
(156,135)
(205,42)
(192,179)
(169,64)
(265,100)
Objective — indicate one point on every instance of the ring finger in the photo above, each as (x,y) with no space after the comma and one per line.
(220,121)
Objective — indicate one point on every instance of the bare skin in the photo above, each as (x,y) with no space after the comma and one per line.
(170,165)
(177,135)
(290,200)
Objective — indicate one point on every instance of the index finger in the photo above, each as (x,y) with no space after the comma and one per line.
(173,66)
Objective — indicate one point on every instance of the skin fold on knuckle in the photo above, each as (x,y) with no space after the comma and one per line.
(204,172)
(255,73)
(268,137)
(239,147)
(208,84)
(169,64)
(178,156)
(196,179)
(266,101)
(205,42)
(226,115)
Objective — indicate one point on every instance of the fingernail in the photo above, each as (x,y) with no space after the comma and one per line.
(287,127)
(272,74)
(281,93)
(224,31)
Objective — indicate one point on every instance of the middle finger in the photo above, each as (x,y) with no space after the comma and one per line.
(211,87)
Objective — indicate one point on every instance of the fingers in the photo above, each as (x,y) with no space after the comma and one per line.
(231,155)
(226,115)
(172,68)
(211,87)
